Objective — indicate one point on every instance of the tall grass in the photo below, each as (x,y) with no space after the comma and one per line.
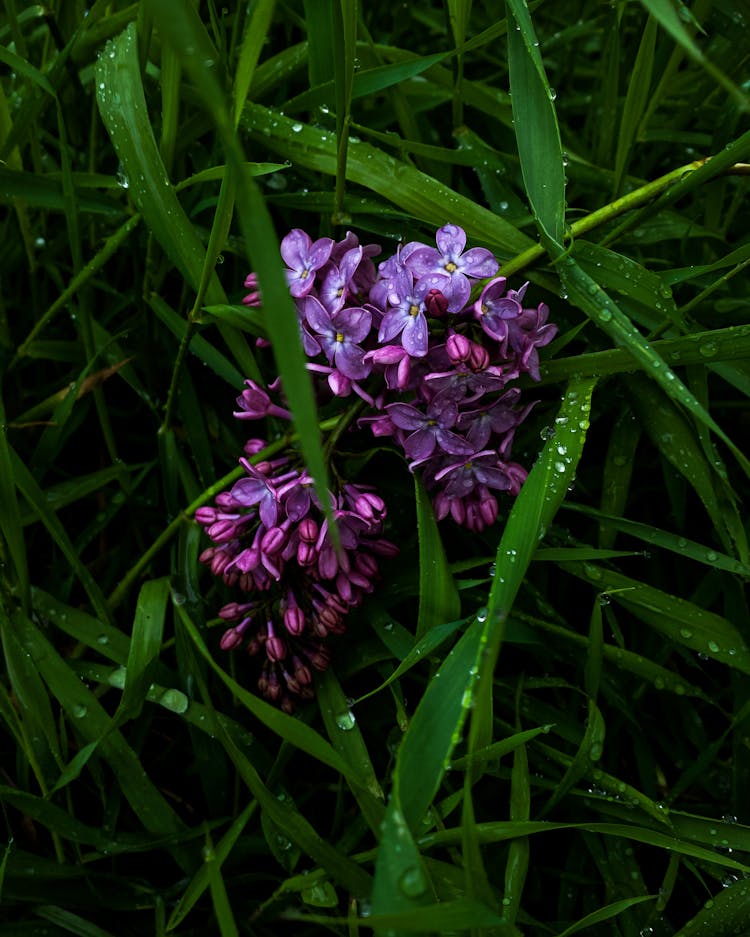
(542,729)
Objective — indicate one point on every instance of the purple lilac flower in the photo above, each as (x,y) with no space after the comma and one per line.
(408,315)
(450,259)
(430,430)
(304,257)
(338,335)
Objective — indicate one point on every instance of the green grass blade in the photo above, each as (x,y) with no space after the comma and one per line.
(423,197)
(536,127)
(605,914)
(10,515)
(122,106)
(635,103)
(145,645)
(439,601)
(588,296)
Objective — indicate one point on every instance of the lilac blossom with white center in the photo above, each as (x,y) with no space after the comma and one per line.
(304,258)
(336,285)
(407,318)
(338,335)
(430,430)
(494,310)
(450,259)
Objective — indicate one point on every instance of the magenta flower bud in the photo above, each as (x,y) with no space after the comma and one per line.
(253,447)
(327,563)
(273,540)
(225,500)
(230,640)
(220,562)
(205,516)
(436,303)
(302,673)
(458,347)
(458,510)
(308,530)
(488,509)
(253,647)
(361,582)
(306,553)
(384,548)
(441,506)
(207,555)
(294,621)
(222,531)
(344,588)
(340,384)
(367,565)
(369,506)
(479,359)
(275,649)
(233,610)
(319,657)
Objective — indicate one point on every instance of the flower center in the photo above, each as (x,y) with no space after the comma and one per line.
(450,267)
(339,336)
(413,311)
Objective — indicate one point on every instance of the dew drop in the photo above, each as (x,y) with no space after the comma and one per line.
(713,647)
(346,720)
(411,883)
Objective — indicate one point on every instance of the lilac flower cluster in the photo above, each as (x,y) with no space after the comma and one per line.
(430,341)
(436,358)
(272,542)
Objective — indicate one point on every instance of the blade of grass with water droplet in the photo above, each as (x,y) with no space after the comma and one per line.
(605,914)
(91,721)
(420,195)
(423,756)
(298,829)
(533,511)
(199,882)
(145,645)
(347,739)
(725,915)
(588,296)
(535,124)
(682,621)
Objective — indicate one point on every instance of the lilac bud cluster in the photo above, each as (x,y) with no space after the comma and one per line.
(429,353)
(271,541)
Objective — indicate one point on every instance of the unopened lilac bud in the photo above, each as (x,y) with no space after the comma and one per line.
(344,588)
(275,649)
(328,564)
(458,347)
(205,515)
(222,531)
(436,303)
(219,562)
(225,500)
(253,647)
(369,506)
(294,621)
(319,656)
(458,510)
(230,640)
(308,530)
(366,564)
(287,705)
(234,610)
(207,555)
(488,509)
(302,673)
(383,548)
(306,553)
(479,358)
(341,386)
(253,447)
(273,540)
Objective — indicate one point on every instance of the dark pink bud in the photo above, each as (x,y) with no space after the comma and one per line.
(205,516)
(319,657)
(275,649)
(220,561)
(308,530)
(436,304)
(306,553)
(230,640)
(222,531)
(458,510)
(344,588)
(294,620)
(370,506)
(458,347)
(302,673)
(287,705)
(253,447)
(327,563)
(273,540)
(488,509)
(207,555)
(479,359)
(366,564)
(383,548)
(233,610)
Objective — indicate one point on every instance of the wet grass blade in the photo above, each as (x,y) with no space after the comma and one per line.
(439,601)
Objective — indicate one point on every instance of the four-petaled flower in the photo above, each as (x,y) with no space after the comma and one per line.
(338,335)
(430,430)
(304,257)
(408,314)
(450,259)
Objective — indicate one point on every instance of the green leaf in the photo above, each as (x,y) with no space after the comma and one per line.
(439,601)
(536,129)
(145,645)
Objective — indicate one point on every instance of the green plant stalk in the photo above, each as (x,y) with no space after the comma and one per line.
(635,199)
